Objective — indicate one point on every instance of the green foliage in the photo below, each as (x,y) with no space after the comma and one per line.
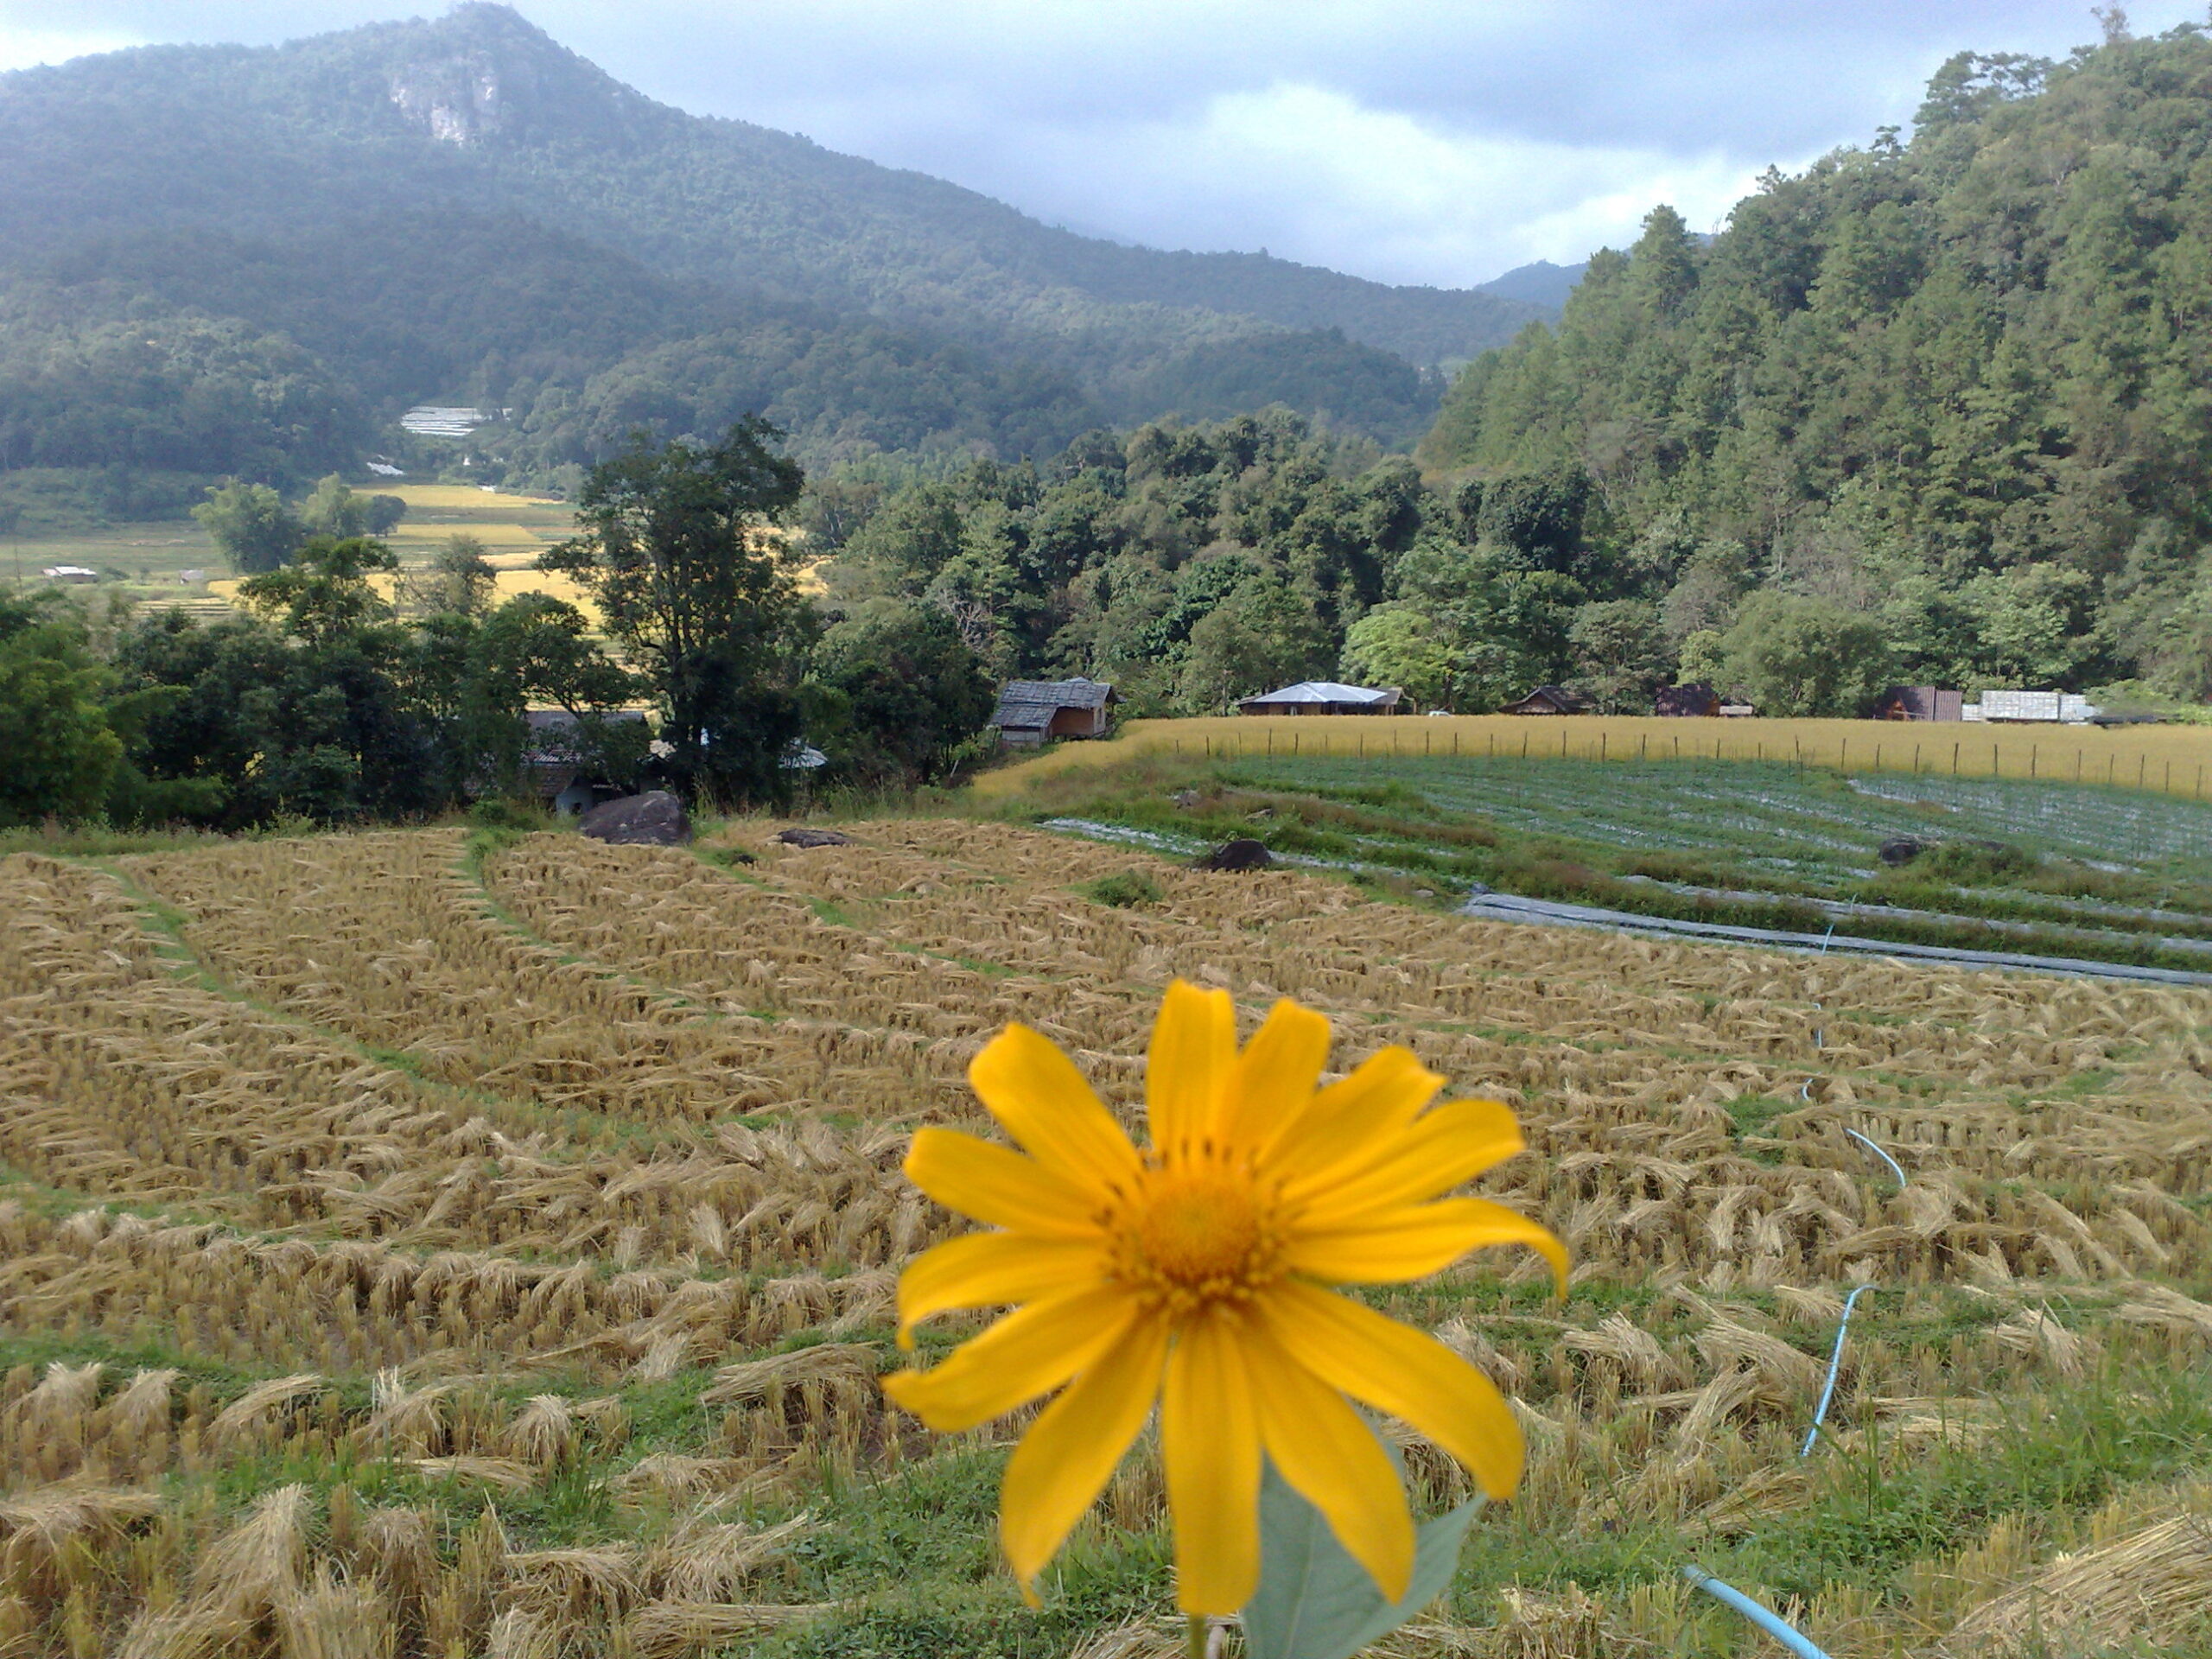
(1314,1601)
(893,696)
(1937,384)
(1794,656)
(250,526)
(57,749)
(677,551)
(1124,890)
(1188,565)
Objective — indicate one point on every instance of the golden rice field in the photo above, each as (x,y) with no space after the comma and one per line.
(2173,759)
(416,1247)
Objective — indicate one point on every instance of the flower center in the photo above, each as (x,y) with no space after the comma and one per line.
(1197,1236)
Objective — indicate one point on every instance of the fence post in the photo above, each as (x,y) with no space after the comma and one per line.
(1601,745)
(1524,742)
(1843,755)
(1878,757)
(2034,749)
(1916,760)
(2142,769)
(1954,759)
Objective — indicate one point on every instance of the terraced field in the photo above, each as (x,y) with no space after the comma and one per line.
(422,1246)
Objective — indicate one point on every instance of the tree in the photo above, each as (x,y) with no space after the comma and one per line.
(896,694)
(1400,644)
(680,552)
(325,593)
(1620,654)
(251,525)
(335,510)
(1261,636)
(57,750)
(1794,656)
(461,579)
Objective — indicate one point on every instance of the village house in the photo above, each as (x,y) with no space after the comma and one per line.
(1032,712)
(1326,697)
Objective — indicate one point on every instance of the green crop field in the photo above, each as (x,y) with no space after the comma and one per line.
(2051,868)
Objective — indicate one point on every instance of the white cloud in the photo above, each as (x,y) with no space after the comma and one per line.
(1321,175)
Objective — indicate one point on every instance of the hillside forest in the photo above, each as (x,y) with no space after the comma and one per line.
(1934,411)
(217,261)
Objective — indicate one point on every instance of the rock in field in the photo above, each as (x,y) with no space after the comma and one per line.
(1901,849)
(1239,854)
(814,838)
(656,818)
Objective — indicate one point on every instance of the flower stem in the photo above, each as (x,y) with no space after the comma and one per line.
(1195,1636)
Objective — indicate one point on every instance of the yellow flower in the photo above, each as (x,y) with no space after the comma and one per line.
(1195,1273)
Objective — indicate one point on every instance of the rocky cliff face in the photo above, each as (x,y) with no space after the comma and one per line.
(457,99)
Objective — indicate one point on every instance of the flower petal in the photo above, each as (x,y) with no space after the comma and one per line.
(1193,1046)
(1391,1246)
(988,1269)
(1210,1446)
(1029,1352)
(1272,1083)
(1443,1147)
(1354,1117)
(1064,1461)
(998,1186)
(1396,1368)
(1333,1461)
(1042,1101)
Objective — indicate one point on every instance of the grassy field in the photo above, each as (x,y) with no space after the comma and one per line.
(2014,865)
(2173,759)
(427,1245)
(146,561)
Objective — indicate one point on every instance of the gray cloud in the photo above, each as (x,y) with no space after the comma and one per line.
(1413,142)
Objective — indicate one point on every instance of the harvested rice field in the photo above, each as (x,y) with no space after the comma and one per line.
(421,1245)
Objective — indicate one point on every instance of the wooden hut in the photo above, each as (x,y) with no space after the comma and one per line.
(1700,702)
(1032,712)
(1548,700)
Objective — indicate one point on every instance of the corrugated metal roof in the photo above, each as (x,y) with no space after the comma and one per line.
(1024,697)
(1326,691)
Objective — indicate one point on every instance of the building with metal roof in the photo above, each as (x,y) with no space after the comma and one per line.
(1325,698)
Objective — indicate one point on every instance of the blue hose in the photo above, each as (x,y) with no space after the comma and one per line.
(1894,1167)
(1729,1596)
(1835,1363)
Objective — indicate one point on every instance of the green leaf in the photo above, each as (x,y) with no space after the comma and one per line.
(1314,1601)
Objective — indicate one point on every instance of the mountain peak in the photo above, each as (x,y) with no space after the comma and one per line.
(484,72)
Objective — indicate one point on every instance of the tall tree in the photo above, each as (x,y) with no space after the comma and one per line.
(682,553)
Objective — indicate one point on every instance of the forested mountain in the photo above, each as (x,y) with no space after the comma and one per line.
(462,210)
(1953,393)
(1932,411)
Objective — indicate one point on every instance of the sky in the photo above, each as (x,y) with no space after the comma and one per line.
(1437,141)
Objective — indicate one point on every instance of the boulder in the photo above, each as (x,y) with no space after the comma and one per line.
(1901,849)
(814,838)
(1238,854)
(656,818)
